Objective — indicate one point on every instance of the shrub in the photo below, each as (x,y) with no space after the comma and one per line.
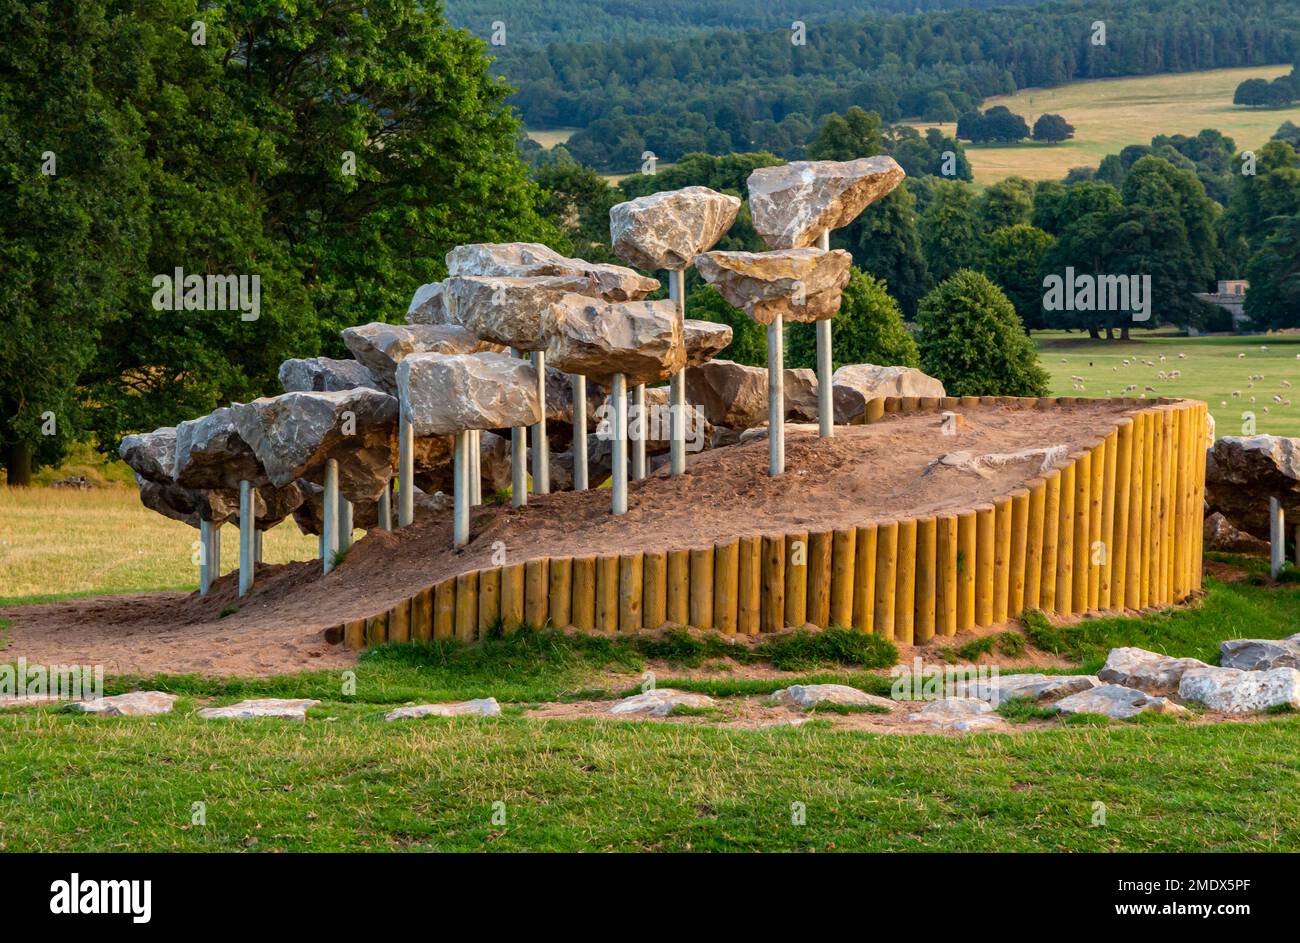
(867,329)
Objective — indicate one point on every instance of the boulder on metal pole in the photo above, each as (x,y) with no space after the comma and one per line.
(579,383)
(666,230)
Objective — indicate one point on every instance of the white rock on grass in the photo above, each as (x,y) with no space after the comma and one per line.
(1146,671)
(960,714)
(134,704)
(660,702)
(811,695)
(1117,702)
(1030,687)
(1260,654)
(1233,691)
(481,707)
(283,708)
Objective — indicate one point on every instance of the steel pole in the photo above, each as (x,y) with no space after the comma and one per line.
(406,472)
(579,383)
(619,398)
(677,384)
(825,399)
(330,513)
(541,451)
(247,528)
(460,471)
(775,398)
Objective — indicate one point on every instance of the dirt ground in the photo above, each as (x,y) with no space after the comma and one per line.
(863,474)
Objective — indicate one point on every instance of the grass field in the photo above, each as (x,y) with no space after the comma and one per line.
(554,136)
(1109,114)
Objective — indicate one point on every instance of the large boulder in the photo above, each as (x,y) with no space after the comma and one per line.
(660,702)
(1222,536)
(734,395)
(792,204)
(324,375)
(1117,702)
(530,259)
(958,714)
(1233,691)
(704,340)
(667,230)
(854,385)
(429,305)
(640,339)
(1146,671)
(444,395)
(1243,472)
(508,310)
(801,285)
(218,506)
(381,347)
(840,695)
(1030,687)
(211,454)
(296,434)
(151,455)
(1260,654)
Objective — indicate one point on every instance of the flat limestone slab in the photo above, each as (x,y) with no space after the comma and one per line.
(481,707)
(284,708)
(958,714)
(1118,702)
(1234,691)
(660,702)
(1031,687)
(811,695)
(134,704)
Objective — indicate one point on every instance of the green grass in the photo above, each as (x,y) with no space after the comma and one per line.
(1211,370)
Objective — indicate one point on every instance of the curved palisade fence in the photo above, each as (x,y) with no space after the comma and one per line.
(1117,527)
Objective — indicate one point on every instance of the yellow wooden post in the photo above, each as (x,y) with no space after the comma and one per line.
(1155,565)
(1002,512)
(796,579)
(819,578)
(1120,533)
(1133,567)
(354,634)
(701,592)
(679,587)
(927,539)
(967,556)
(584,593)
(945,566)
(1034,544)
(864,579)
(1065,543)
(560,601)
(1051,541)
(1097,550)
(654,593)
(1082,516)
(875,409)
(905,589)
(399,622)
(512,596)
(631,584)
(536,592)
(467,605)
(1177,502)
(772,611)
(886,578)
(1146,533)
(489,599)
(985,550)
(749,586)
(422,615)
(444,608)
(1108,490)
(1019,548)
(844,546)
(607,592)
(726,582)
(377,630)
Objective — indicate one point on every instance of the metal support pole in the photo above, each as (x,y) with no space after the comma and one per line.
(385,509)
(330,513)
(579,384)
(541,451)
(518,459)
(475,467)
(460,471)
(825,391)
(619,398)
(345,522)
(775,398)
(677,384)
(207,570)
(1276,537)
(247,529)
(257,545)
(637,429)
(405,472)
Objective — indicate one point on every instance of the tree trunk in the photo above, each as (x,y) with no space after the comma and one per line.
(1110,333)
(18,464)
(1094,333)
(1123,333)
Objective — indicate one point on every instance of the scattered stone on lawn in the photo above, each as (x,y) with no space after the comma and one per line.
(481,707)
(1260,654)
(666,230)
(528,259)
(1117,702)
(1146,671)
(151,455)
(1030,687)
(283,708)
(960,714)
(639,339)
(1233,691)
(800,285)
(134,704)
(448,394)
(660,702)
(811,695)
(1221,535)
(211,453)
(854,385)
(324,375)
(704,340)
(381,347)
(1243,472)
(793,203)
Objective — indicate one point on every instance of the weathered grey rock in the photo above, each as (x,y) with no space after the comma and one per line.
(134,704)
(295,434)
(811,695)
(381,347)
(797,284)
(734,395)
(429,305)
(559,399)
(856,384)
(528,259)
(151,455)
(959,714)
(1243,472)
(800,394)
(793,203)
(509,310)
(282,708)
(660,702)
(1146,671)
(1260,654)
(1221,535)
(310,514)
(704,340)
(1118,702)
(324,375)
(211,453)
(666,230)
(640,339)
(444,395)
(483,707)
(1030,687)
(1233,691)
